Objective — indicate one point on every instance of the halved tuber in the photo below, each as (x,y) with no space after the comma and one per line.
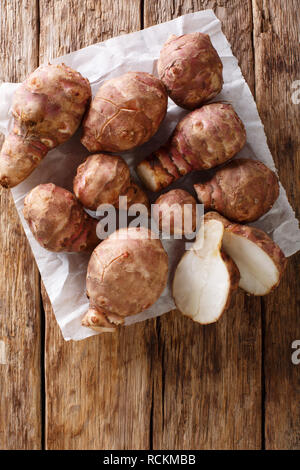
(57,220)
(260,260)
(102,179)
(202,140)
(126,274)
(125,113)
(243,190)
(47,108)
(205,278)
(191,69)
(175,212)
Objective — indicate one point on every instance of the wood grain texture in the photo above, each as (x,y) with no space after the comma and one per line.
(277,59)
(20,372)
(98,392)
(207,392)
(68,26)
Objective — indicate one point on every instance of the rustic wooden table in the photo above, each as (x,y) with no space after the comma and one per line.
(167,383)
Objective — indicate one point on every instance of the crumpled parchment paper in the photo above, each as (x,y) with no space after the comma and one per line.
(64,274)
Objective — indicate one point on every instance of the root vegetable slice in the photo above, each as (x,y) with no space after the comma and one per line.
(260,260)
(205,277)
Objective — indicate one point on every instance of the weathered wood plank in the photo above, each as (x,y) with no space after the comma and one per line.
(20,335)
(207,392)
(99,391)
(277,59)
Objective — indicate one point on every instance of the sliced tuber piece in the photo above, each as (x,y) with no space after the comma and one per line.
(125,113)
(175,212)
(260,260)
(203,139)
(126,274)
(243,190)
(102,179)
(191,69)
(57,220)
(205,277)
(47,109)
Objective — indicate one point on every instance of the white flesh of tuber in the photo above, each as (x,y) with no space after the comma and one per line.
(204,278)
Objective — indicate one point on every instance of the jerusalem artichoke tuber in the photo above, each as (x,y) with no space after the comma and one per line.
(57,220)
(126,112)
(175,212)
(203,139)
(47,108)
(126,274)
(259,259)
(243,190)
(102,178)
(205,277)
(191,70)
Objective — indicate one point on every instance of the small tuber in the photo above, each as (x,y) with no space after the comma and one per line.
(191,69)
(202,140)
(102,178)
(125,113)
(57,220)
(260,260)
(243,190)
(126,274)
(205,277)
(175,212)
(47,109)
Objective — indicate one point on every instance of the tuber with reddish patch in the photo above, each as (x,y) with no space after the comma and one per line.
(203,139)
(243,190)
(57,220)
(47,109)
(191,69)
(102,179)
(126,274)
(125,113)
(175,212)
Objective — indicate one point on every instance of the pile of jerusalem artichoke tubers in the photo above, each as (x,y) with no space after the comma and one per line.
(128,271)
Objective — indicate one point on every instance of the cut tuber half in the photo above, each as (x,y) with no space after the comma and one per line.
(260,260)
(205,277)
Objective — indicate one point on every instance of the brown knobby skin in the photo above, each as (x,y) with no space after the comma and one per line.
(203,139)
(126,274)
(205,277)
(243,190)
(125,113)
(191,69)
(170,210)
(102,179)
(252,249)
(135,195)
(57,220)
(47,109)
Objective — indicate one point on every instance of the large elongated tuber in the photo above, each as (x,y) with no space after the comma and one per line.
(126,274)
(205,277)
(191,69)
(57,220)
(102,179)
(126,112)
(260,260)
(243,190)
(47,108)
(203,139)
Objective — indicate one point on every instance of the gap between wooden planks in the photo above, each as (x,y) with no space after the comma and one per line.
(167,383)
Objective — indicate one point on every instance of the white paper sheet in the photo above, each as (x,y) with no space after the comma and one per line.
(64,274)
